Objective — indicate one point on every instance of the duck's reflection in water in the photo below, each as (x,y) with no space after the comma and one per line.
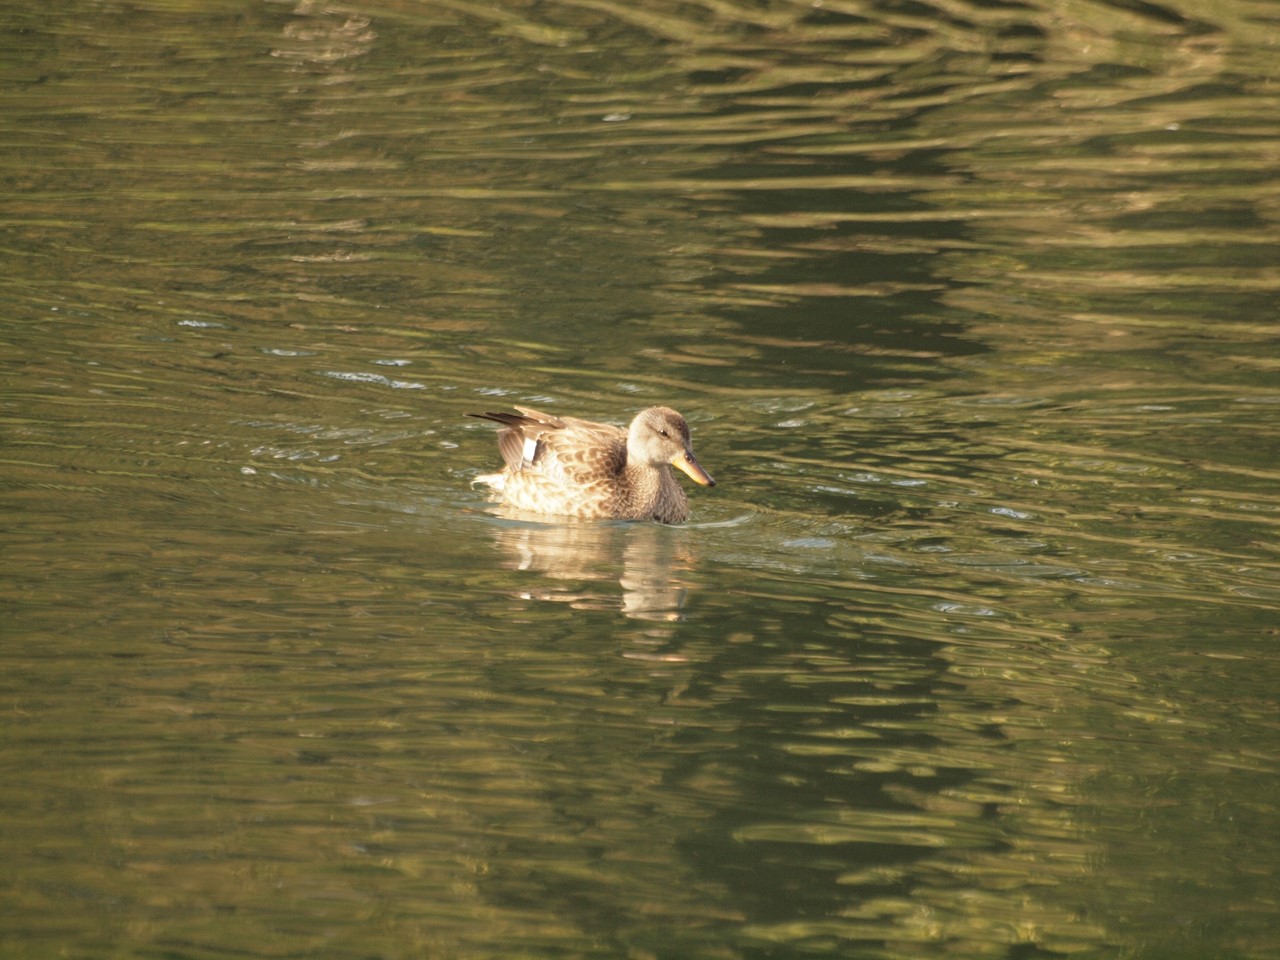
(649,561)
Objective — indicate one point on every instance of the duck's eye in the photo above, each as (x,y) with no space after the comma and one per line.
(664,433)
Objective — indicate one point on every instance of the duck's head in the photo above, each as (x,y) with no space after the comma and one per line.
(660,435)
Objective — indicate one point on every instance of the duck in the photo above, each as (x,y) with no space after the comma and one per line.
(563,466)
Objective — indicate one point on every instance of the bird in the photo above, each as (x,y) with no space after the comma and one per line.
(563,466)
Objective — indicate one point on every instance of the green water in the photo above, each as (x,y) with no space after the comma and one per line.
(972,649)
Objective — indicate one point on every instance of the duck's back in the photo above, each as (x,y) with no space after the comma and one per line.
(582,451)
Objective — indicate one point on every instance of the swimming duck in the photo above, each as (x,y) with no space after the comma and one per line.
(595,471)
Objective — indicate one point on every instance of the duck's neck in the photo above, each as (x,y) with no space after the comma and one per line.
(653,493)
(643,477)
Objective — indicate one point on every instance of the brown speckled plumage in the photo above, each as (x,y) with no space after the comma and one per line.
(576,468)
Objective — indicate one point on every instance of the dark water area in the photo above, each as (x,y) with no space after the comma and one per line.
(971,308)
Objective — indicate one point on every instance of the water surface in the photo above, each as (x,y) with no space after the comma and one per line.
(971,651)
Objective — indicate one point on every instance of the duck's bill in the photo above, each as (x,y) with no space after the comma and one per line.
(687,463)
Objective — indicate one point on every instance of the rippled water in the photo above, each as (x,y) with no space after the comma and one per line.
(971,307)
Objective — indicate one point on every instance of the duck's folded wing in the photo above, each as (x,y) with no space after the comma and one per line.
(517,440)
(587,452)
